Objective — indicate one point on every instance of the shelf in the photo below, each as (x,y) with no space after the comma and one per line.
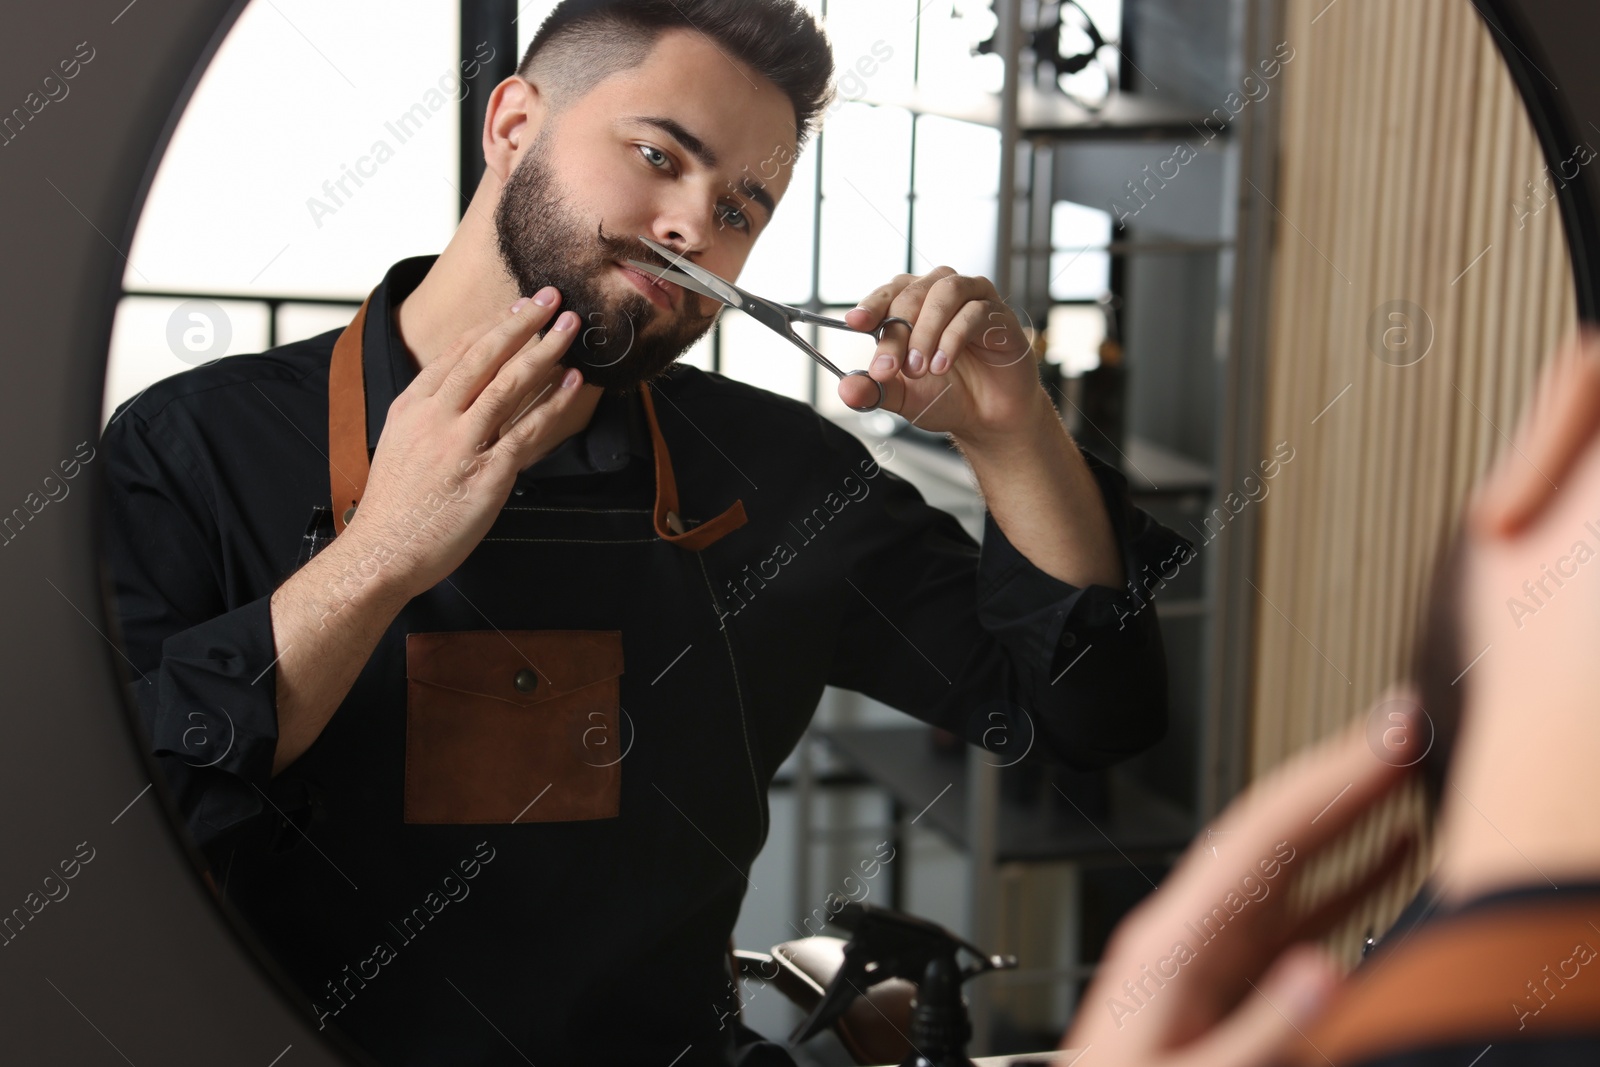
(1126,116)
(904,761)
(1151,469)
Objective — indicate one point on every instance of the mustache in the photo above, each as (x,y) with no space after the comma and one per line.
(618,246)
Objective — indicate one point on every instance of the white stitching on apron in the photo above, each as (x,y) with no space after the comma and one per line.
(585,511)
(576,540)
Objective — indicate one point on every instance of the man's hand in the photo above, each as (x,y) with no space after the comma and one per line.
(431,495)
(1215,968)
(966,367)
(493,403)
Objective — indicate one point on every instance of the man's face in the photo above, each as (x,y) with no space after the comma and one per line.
(691,149)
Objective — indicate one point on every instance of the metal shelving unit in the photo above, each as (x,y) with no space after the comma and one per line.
(1033,127)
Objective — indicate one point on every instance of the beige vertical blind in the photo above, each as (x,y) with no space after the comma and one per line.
(1410,185)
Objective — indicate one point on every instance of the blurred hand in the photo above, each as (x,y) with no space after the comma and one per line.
(1216,968)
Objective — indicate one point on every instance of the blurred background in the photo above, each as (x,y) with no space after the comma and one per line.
(1248,235)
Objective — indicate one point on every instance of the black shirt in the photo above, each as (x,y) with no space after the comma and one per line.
(597,940)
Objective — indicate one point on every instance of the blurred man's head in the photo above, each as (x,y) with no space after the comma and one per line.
(676,119)
(1510,646)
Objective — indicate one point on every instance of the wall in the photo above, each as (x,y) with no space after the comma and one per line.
(1405,156)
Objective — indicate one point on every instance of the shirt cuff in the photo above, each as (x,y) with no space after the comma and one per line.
(1049,620)
(212,717)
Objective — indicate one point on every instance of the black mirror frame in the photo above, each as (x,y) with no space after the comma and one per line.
(147,960)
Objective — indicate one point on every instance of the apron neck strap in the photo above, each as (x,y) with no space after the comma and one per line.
(347,422)
(349,465)
(669,527)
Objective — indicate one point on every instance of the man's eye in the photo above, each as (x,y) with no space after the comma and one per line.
(735,217)
(654,156)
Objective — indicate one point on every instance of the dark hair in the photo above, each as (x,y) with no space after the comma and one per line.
(1438,666)
(585,41)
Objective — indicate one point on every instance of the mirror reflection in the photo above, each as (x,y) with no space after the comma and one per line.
(612,504)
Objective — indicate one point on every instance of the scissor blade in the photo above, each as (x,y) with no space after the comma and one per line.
(676,277)
(720,288)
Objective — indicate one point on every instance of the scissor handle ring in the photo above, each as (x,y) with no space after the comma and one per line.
(875,405)
(877,335)
(884,325)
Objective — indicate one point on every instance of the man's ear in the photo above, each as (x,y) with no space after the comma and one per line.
(511,121)
(1559,425)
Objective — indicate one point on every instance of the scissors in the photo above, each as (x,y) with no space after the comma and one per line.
(779,317)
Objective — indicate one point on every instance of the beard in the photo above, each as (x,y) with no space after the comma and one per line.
(1439,661)
(622,340)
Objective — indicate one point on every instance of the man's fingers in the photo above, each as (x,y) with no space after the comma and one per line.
(1317,795)
(1329,913)
(1559,423)
(1303,804)
(858,392)
(1272,1015)
(565,409)
(479,364)
(552,383)
(521,381)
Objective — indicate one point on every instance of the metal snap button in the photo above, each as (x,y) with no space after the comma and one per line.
(525,681)
(1068,639)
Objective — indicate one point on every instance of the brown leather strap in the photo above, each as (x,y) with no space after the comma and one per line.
(669,527)
(347,422)
(1517,971)
(348,464)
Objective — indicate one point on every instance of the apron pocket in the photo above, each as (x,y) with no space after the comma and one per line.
(512,726)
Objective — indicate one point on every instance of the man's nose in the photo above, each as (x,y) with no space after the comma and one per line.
(687,225)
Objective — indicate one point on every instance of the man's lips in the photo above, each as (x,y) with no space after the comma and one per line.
(662,293)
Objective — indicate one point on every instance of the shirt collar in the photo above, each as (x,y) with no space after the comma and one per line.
(615,434)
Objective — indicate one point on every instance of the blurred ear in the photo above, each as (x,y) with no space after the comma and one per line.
(1560,424)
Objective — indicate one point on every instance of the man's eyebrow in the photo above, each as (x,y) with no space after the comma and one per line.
(706,156)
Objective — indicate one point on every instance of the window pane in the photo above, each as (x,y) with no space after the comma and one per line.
(957,158)
(530,16)
(951,29)
(866,169)
(874,44)
(780,263)
(296,322)
(1091,84)
(1079,275)
(699,355)
(754,354)
(318,149)
(1075,334)
(1075,226)
(956,233)
(849,351)
(156,337)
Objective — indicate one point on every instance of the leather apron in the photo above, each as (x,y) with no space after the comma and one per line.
(566,704)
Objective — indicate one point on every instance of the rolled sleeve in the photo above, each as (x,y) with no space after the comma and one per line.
(1090,659)
(206,696)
